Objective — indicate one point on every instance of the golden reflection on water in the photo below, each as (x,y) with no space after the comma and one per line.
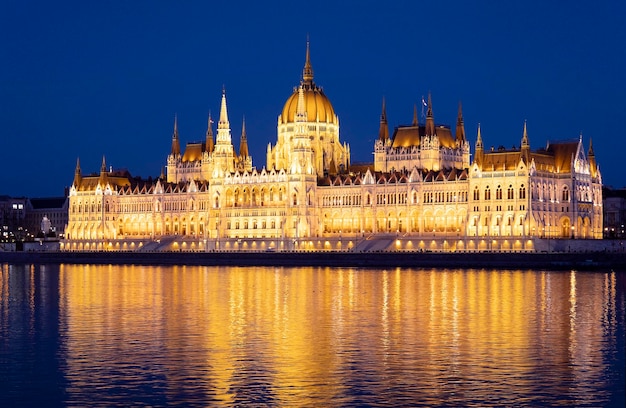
(322,336)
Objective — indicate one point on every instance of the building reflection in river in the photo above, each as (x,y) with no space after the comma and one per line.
(320,336)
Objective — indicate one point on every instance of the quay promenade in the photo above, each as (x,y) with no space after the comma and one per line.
(598,260)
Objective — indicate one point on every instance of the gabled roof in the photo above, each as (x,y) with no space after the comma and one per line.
(193,151)
(502,159)
(408,136)
(562,152)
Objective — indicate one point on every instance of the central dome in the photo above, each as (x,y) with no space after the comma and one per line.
(316,103)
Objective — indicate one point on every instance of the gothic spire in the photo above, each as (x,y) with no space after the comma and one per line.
(223,137)
(243,142)
(223,123)
(479,139)
(478,158)
(210,145)
(103,172)
(175,141)
(415,122)
(525,148)
(430,121)
(525,136)
(593,166)
(77,174)
(460,127)
(383,132)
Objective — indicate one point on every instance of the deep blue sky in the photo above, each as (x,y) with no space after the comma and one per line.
(87,79)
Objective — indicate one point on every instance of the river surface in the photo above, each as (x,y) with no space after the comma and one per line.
(85,335)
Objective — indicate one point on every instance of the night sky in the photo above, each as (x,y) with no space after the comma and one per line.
(81,79)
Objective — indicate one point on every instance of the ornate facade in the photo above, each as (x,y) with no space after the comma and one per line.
(421,193)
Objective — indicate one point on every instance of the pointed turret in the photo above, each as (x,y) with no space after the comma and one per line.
(307,72)
(175,140)
(525,146)
(103,173)
(383,132)
(591,156)
(480,152)
(223,125)
(415,122)
(77,174)
(460,127)
(210,145)
(223,122)
(224,157)
(430,121)
(243,142)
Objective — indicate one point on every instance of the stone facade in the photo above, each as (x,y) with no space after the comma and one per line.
(421,193)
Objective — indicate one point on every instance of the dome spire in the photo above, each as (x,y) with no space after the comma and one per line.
(415,122)
(307,72)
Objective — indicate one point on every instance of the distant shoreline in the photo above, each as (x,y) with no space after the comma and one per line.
(474,260)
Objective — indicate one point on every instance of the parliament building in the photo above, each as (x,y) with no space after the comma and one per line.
(423,192)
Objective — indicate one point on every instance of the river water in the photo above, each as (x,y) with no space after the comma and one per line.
(86,335)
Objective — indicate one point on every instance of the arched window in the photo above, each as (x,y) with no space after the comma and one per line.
(487,193)
(509,194)
(522,192)
(499,193)
(565,194)
(295,199)
(476,194)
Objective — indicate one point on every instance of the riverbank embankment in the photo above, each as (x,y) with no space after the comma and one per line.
(484,260)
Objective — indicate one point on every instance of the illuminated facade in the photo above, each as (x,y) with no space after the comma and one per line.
(421,193)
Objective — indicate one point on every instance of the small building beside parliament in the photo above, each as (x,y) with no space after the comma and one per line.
(421,193)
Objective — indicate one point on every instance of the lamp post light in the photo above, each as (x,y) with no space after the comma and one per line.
(572,232)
